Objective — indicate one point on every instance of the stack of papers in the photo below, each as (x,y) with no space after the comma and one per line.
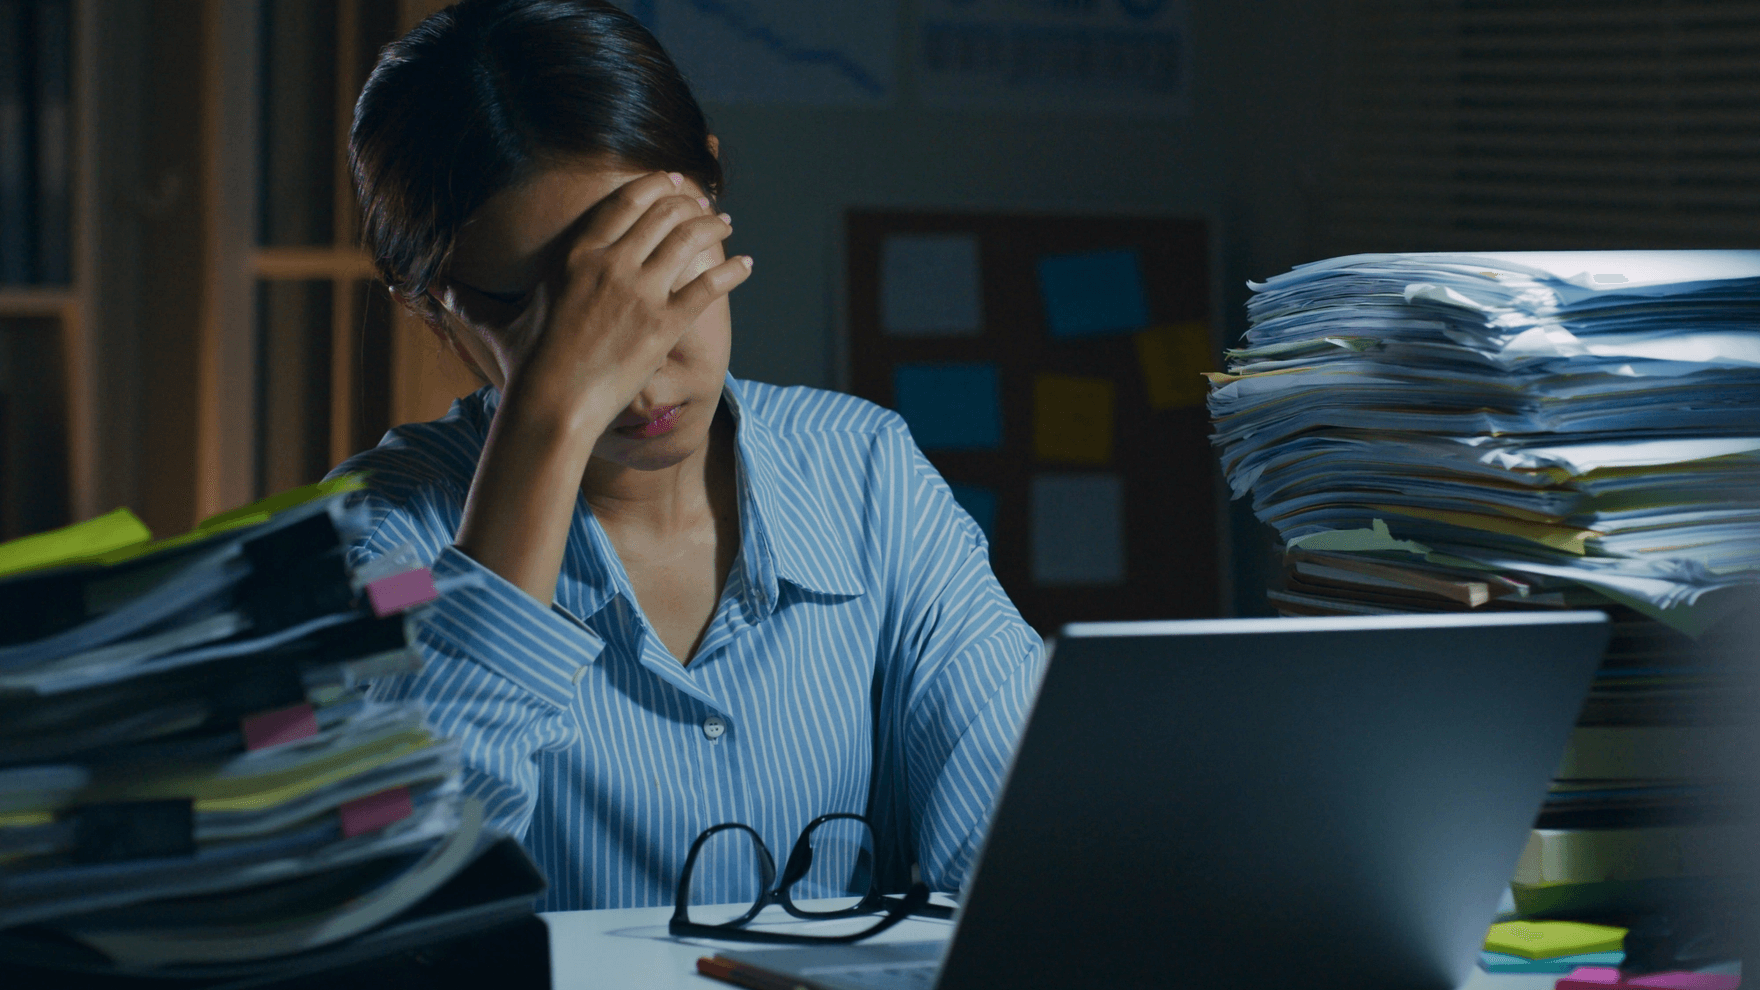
(1522,431)
(190,771)
(1586,417)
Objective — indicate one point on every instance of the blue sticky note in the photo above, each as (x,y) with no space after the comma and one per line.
(1093,294)
(1498,962)
(950,406)
(980,502)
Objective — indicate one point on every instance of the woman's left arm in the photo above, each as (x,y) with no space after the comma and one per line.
(966,668)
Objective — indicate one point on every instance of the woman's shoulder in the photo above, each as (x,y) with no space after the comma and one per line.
(827,446)
(440,454)
(802,412)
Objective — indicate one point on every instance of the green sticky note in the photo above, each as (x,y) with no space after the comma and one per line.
(116,530)
(119,535)
(1550,939)
(262,509)
(1358,540)
(245,515)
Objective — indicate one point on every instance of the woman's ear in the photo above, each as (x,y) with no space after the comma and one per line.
(715,147)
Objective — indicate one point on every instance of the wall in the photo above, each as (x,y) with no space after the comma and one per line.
(1250,155)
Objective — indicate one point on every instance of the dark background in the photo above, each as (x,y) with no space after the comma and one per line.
(221,338)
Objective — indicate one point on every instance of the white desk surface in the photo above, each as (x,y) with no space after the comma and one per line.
(628,949)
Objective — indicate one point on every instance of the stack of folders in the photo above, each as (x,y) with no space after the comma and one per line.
(193,782)
(1532,430)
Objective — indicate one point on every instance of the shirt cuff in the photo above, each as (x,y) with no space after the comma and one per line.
(497,624)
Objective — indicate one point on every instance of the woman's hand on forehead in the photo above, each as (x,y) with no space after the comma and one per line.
(518,237)
(498,266)
(612,288)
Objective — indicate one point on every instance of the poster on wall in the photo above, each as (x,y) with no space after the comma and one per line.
(1083,56)
(794,52)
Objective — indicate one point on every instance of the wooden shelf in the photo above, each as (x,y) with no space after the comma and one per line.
(36,302)
(116,337)
(312,263)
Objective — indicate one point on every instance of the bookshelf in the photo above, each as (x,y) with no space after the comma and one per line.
(336,362)
(47,456)
(215,332)
(55,302)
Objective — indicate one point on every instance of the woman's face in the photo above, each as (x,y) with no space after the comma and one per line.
(520,237)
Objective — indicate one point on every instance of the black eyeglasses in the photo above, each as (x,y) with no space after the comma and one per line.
(729,876)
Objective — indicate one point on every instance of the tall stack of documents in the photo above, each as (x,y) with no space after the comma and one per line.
(1530,430)
(190,771)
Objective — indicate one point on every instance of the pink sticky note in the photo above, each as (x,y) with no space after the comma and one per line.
(375,811)
(1602,977)
(1588,978)
(282,725)
(393,594)
(1686,981)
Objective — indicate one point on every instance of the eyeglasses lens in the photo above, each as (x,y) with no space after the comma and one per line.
(842,870)
(729,877)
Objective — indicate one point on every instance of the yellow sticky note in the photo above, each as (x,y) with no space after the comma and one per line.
(1550,939)
(1174,359)
(82,541)
(1072,419)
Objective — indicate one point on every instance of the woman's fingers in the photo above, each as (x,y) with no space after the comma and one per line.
(664,216)
(610,312)
(649,225)
(610,221)
(672,259)
(690,301)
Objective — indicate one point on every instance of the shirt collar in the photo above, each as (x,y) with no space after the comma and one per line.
(784,522)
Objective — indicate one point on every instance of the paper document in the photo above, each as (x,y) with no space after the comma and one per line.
(1583,415)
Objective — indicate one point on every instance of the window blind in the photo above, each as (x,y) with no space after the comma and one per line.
(1534,124)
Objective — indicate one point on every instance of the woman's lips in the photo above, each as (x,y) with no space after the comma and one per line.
(662,421)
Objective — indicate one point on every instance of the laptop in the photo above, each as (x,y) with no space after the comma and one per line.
(1300,802)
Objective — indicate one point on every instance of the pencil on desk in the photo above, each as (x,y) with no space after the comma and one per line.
(746,976)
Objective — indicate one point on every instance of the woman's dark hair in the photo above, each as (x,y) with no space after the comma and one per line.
(486,92)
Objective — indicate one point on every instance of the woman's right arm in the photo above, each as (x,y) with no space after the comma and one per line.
(595,333)
(498,669)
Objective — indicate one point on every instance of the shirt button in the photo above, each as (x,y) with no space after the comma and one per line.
(713,727)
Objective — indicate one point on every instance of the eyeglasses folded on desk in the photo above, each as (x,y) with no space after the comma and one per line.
(729,877)
(195,789)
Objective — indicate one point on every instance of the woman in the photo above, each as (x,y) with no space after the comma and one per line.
(702,599)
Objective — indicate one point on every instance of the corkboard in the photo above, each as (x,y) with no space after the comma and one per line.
(1168,469)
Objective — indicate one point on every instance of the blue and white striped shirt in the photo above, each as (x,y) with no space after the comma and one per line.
(862,658)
